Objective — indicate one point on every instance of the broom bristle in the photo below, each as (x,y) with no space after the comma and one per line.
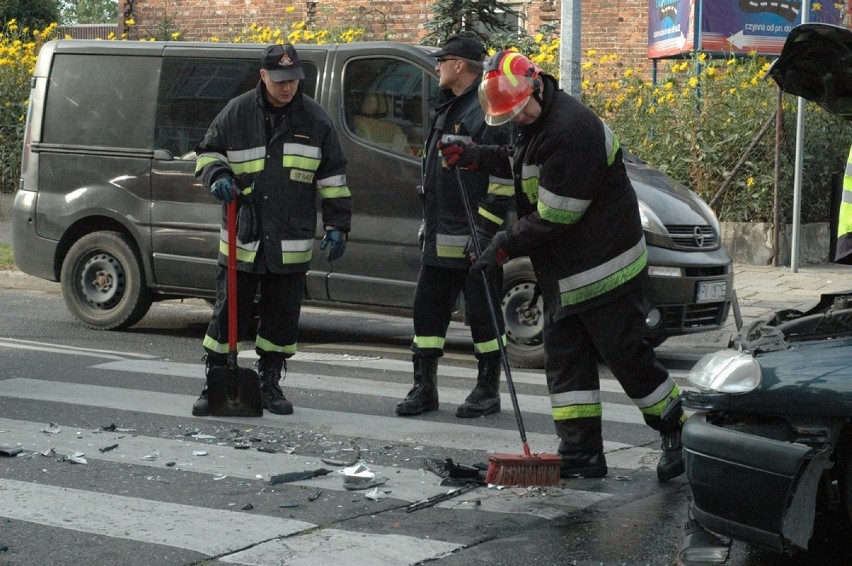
(515,470)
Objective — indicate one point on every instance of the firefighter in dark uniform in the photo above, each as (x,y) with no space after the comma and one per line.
(843,250)
(277,151)
(446,261)
(578,220)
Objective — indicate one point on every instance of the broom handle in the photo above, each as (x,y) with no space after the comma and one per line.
(232,283)
(492,310)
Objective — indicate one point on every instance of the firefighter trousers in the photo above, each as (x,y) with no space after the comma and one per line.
(278,308)
(573,347)
(437,292)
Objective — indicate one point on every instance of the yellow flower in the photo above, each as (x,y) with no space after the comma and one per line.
(176,35)
(130,22)
(693,82)
(628,73)
(711,71)
(702,57)
(750,182)
(732,90)
(816,6)
(290,9)
(592,52)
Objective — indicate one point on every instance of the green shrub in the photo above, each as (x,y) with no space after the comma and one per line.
(18,50)
(699,118)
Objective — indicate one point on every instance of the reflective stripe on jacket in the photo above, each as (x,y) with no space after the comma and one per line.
(283,162)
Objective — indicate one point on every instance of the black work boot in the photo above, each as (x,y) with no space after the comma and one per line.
(423,396)
(269,367)
(671,462)
(583,463)
(485,397)
(201,408)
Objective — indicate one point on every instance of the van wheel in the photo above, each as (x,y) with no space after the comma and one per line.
(524,321)
(103,282)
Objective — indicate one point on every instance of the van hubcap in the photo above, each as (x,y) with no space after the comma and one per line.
(103,281)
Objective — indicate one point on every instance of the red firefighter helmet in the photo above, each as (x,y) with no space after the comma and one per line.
(510,79)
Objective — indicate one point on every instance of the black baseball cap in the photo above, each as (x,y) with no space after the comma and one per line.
(465,46)
(282,63)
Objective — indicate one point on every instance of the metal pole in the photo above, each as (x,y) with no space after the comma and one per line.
(569,48)
(797,174)
(776,200)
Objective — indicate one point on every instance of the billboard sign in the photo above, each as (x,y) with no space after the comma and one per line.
(729,26)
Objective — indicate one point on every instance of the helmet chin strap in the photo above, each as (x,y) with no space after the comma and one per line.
(538,88)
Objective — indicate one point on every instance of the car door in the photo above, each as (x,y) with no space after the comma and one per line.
(379,102)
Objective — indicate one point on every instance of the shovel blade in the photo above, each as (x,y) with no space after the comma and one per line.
(234,392)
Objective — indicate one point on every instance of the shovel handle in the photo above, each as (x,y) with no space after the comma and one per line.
(232,280)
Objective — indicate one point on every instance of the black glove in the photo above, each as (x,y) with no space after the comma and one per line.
(484,241)
(224,188)
(466,156)
(494,255)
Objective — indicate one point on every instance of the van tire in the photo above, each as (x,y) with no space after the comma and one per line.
(525,345)
(121,299)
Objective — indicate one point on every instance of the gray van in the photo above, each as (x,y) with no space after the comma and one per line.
(109,206)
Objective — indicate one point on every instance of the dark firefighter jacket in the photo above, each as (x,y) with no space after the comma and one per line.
(447,232)
(283,162)
(843,253)
(578,216)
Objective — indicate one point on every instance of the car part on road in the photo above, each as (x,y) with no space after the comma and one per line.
(233,391)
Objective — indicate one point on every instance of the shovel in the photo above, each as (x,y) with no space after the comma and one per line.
(233,391)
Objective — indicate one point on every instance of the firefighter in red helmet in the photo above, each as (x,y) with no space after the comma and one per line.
(578,221)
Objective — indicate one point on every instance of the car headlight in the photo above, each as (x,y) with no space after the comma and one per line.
(726,371)
(651,223)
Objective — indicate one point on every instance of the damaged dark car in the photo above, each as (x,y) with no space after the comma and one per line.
(768,449)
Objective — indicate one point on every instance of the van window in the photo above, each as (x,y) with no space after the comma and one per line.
(101,100)
(193,91)
(384,103)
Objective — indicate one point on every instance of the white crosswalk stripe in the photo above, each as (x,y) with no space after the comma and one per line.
(241,538)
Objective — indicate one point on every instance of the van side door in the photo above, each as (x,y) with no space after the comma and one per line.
(195,85)
(378,99)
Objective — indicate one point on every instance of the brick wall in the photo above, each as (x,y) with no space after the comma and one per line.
(608,26)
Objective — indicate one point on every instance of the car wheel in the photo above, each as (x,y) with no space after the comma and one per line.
(103,282)
(524,320)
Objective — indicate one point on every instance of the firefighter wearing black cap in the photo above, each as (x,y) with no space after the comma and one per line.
(277,152)
(578,220)
(446,260)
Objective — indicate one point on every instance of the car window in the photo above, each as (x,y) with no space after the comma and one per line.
(193,91)
(384,103)
(101,100)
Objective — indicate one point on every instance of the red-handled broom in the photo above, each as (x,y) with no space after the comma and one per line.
(510,469)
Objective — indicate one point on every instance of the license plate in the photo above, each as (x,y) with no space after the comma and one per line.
(711,291)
